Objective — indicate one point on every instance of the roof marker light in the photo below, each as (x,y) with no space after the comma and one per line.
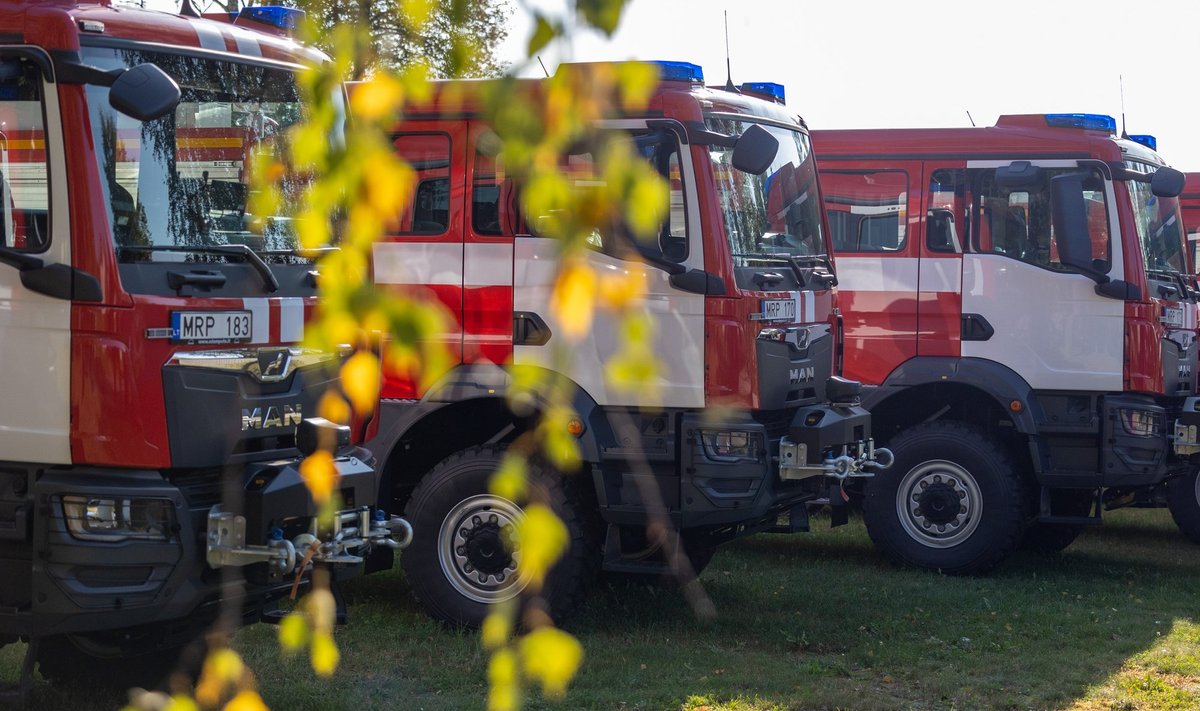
(1146,140)
(285,18)
(680,71)
(766,88)
(1093,122)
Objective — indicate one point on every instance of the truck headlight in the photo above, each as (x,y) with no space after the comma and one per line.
(1143,423)
(118,519)
(729,444)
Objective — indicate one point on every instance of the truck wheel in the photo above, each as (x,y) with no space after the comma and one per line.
(1051,538)
(952,501)
(1183,498)
(94,660)
(460,564)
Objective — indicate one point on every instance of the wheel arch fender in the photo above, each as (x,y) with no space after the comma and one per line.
(999,384)
(468,407)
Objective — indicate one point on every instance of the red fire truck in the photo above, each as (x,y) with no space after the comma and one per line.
(1018,305)
(741,289)
(154,384)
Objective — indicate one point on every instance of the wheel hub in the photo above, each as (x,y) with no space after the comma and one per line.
(939,504)
(478,551)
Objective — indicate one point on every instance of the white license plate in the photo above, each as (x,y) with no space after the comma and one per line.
(1172,317)
(210,326)
(778,310)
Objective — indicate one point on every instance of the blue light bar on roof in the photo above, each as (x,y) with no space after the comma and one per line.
(285,18)
(766,88)
(1146,140)
(1094,122)
(680,71)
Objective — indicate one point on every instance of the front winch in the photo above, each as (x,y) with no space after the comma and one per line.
(350,537)
(861,460)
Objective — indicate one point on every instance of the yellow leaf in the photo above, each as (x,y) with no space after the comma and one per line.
(649,197)
(543,538)
(552,657)
(637,81)
(293,632)
(360,381)
(246,700)
(574,298)
(179,702)
(417,12)
(319,475)
(509,480)
(621,289)
(377,97)
(322,606)
(496,629)
(502,669)
(334,408)
(224,665)
(325,654)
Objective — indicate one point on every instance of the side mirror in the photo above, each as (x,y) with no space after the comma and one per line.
(1069,214)
(1018,174)
(1167,182)
(144,92)
(755,150)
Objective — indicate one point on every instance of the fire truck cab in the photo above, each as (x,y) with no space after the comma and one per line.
(1019,307)
(155,388)
(751,423)
(1189,202)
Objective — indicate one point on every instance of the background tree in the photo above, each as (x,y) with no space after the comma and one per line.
(456,38)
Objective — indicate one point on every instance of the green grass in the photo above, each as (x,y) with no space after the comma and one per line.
(811,621)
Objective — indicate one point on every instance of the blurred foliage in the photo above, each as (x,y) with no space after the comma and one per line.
(358,187)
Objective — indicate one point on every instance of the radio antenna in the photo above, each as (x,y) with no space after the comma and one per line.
(729,85)
(970,119)
(1121,79)
(547,73)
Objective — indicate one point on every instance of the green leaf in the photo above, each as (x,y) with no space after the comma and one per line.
(543,33)
(604,15)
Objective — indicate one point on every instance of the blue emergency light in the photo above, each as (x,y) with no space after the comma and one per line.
(285,18)
(679,71)
(1146,140)
(766,88)
(1094,122)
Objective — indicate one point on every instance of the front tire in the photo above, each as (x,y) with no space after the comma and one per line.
(461,561)
(1183,498)
(951,502)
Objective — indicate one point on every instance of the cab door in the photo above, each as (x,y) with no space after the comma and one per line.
(872,208)
(35,329)
(1044,322)
(421,256)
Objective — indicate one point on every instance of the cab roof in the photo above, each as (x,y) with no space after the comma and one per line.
(64,25)
(1029,135)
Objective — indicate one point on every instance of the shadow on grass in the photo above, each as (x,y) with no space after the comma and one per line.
(808,621)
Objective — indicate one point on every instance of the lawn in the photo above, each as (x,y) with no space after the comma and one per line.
(809,621)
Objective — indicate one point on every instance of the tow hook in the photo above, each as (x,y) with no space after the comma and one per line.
(860,460)
(352,535)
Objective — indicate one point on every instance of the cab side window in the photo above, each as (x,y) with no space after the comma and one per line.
(1016,220)
(24,178)
(943,217)
(658,148)
(428,154)
(867,210)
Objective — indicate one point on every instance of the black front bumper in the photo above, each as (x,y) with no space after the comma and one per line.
(747,489)
(90,585)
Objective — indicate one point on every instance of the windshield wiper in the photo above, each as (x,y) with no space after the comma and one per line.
(240,251)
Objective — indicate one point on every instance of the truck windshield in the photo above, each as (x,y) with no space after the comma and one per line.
(1159,226)
(183,180)
(778,213)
